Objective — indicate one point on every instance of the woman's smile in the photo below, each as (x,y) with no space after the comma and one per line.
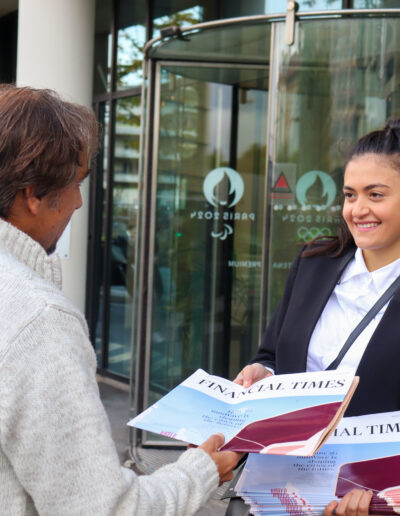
(365,226)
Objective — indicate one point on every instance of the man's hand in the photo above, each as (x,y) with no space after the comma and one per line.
(252,374)
(226,461)
(354,503)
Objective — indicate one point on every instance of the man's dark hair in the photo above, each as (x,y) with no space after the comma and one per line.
(42,141)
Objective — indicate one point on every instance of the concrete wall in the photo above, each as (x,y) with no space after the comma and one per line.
(55,50)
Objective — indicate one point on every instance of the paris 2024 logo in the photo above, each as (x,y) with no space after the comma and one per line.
(223,187)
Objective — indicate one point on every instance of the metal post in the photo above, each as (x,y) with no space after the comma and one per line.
(291,9)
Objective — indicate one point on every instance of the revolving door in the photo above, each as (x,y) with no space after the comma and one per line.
(242,160)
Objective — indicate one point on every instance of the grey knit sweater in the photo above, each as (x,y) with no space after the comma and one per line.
(57,456)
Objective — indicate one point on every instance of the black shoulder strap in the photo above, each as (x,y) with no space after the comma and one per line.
(386,296)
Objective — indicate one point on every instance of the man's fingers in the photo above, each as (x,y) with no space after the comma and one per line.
(226,463)
(226,478)
(330,508)
(213,443)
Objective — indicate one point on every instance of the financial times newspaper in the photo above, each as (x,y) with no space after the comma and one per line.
(284,414)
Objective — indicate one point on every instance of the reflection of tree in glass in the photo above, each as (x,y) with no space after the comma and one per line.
(130,55)
(128,113)
(132,40)
(311,3)
(183,18)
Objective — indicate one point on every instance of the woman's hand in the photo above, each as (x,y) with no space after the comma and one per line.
(252,374)
(354,503)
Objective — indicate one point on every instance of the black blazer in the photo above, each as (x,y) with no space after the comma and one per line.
(285,343)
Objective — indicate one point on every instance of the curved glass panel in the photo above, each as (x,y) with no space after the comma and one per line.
(176,13)
(208,221)
(232,44)
(246,8)
(375,4)
(337,82)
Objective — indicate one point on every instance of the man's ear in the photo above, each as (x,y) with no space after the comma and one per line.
(33,202)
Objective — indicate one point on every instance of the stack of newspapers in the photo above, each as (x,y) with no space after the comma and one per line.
(363,452)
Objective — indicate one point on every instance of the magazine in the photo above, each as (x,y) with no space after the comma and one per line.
(284,414)
(363,452)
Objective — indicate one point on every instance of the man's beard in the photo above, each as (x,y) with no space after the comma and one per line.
(51,249)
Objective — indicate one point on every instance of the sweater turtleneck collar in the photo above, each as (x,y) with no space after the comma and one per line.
(31,253)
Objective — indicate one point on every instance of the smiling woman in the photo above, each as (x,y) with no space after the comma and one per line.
(335,281)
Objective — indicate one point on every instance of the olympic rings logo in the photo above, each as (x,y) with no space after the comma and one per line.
(306,234)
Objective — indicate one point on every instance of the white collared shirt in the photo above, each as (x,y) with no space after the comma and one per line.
(354,295)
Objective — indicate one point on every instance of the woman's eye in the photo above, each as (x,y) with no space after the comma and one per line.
(376,195)
(348,195)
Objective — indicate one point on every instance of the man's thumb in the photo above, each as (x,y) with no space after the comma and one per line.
(213,443)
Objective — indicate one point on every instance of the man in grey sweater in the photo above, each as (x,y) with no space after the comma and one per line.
(57,456)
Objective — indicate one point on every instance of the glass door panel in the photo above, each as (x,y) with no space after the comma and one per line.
(208,228)
(338,81)
(114,234)
(123,232)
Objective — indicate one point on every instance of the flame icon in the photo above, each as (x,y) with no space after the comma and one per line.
(213,183)
(316,188)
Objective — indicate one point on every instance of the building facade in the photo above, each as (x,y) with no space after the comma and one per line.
(225,129)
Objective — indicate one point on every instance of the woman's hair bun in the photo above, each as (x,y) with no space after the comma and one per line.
(382,141)
(392,125)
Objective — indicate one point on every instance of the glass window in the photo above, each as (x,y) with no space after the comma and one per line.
(375,4)
(102,47)
(131,34)
(113,277)
(182,13)
(228,44)
(235,8)
(123,232)
(317,5)
(100,230)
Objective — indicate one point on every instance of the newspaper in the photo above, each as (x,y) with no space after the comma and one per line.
(284,414)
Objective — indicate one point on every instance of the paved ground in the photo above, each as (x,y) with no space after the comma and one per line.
(116,401)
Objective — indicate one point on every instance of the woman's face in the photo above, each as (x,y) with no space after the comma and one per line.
(372,208)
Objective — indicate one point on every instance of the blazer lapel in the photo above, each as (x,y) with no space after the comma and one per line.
(317,277)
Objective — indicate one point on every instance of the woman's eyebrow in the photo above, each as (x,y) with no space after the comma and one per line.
(368,187)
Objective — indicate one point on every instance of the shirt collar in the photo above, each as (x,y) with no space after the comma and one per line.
(381,278)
